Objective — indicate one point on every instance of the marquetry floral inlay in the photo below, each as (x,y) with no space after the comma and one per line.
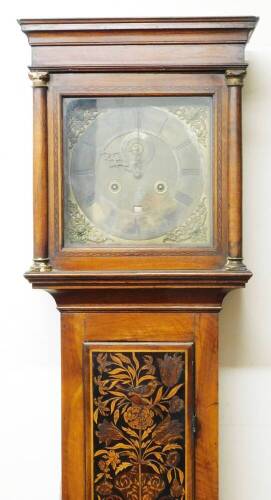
(139,425)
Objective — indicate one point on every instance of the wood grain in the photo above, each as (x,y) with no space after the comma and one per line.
(40,173)
(235,171)
(206,366)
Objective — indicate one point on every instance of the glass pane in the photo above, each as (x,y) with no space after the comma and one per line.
(137,172)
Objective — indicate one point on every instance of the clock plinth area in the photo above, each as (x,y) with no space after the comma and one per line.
(138,237)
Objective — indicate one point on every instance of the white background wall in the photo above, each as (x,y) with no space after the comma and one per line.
(29,341)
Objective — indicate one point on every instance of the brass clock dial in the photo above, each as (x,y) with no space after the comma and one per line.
(136,170)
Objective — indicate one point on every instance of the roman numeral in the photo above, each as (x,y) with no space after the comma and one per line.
(190,171)
(83,171)
(183,198)
(162,126)
(184,144)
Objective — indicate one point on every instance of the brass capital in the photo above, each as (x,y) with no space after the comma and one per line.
(235,77)
(39,78)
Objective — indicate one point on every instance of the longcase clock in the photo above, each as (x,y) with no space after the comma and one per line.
(138,237)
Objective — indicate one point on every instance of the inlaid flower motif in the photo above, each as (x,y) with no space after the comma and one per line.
(176,489)
(101,385)
(139,417)
(176,404)
(171,368)
(108,432)
(104,488)
(149,364)
(102,465)
(102,406)
(113,459)
(173,459)
(167,430)
(103,362)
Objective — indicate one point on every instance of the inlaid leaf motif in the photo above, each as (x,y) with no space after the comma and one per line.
(158,396)
(154,467)
(123,358)
(171,447)
(145,377)
(121,445)
(113,404)
(100,452)
(181,475)
(135,361)
(117,370)
(138,425)
(116,359)
(123,466)
(116,416)
(95,415)
(169,475)
(173,392)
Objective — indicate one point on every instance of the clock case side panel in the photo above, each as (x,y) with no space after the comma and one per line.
(62,85)
(198,330)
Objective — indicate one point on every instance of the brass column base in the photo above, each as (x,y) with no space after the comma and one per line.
(41,265)
(235,264)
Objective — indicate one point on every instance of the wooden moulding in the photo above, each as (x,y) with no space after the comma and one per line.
(127,291)
(138,44)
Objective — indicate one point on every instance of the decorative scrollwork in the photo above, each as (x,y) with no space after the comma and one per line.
(79,121)
(196,117)
(193,229)
(39,78)
(235,77)
(80,230)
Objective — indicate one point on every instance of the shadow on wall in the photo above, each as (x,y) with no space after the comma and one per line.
(232,337)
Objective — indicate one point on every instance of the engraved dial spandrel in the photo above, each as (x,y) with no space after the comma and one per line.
(136,171)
